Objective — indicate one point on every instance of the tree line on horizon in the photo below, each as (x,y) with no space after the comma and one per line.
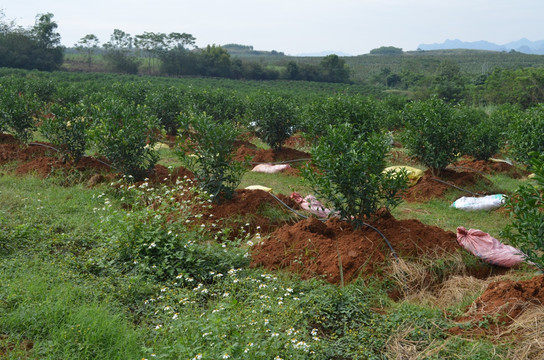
(173,54)
(35,48)
(176,54)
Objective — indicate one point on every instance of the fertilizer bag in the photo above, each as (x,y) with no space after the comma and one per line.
(488,248)
(489,202)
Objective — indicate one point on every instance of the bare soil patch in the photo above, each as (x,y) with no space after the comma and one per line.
(246,207)
(490,167)
(41,159)
(430,186)
(269,156)
(312,248)
(503,301)
(296,141)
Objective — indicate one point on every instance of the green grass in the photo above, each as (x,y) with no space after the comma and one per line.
(45,303)
(438,212)
(279,183)
(45,298)
(69,292)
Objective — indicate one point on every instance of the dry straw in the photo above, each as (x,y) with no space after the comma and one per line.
(527,333)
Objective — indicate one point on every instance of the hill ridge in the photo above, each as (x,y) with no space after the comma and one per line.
(522,45)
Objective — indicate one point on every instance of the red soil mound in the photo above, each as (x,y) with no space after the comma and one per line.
(283,154)
(506,300)
(245,143)
(246,207)
(161,174)
(311,247)
(491,167)
(430,186)
(43,166)
(12,151)
(244,151)
(7,139)
(296,141)
(41,159)
(268,155)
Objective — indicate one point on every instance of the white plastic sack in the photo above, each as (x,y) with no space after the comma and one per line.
(270,169)
(488,248)
(501,160)
(489,202)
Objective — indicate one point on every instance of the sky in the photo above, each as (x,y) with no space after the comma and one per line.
(293,26)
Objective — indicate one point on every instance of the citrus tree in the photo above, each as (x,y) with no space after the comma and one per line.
(207,149)
(527,210)
(273,118)
(126,135)
(66,128)
(17,113)
(434,134)
(347,170)
(525,133)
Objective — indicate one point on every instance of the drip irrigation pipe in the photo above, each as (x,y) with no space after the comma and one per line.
(105,163)
(384,238)
(393,252)
(457,187)
(290,208)
(44,145)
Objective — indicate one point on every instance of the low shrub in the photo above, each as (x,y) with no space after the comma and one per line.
(125,134)
(66,128)
(166,103)
(222,105)
(525,134)
(503,115)
(483,138)
(433,133)
(272,117)
(208,151)
(349,173)
(17,113)
(161,236)
(363,113)
(526,208)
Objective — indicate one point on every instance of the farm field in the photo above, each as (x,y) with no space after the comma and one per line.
(114,245)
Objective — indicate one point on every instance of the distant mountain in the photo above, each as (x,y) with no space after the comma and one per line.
(522,45)
(325,53)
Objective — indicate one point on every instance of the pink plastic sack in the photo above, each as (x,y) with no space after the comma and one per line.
(270,169)
(488,248)
(311,204)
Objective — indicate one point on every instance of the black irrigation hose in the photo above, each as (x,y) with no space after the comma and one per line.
(457,187)
(288,207)
(105,163)
(383,237)
(44,145)
(364,224)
